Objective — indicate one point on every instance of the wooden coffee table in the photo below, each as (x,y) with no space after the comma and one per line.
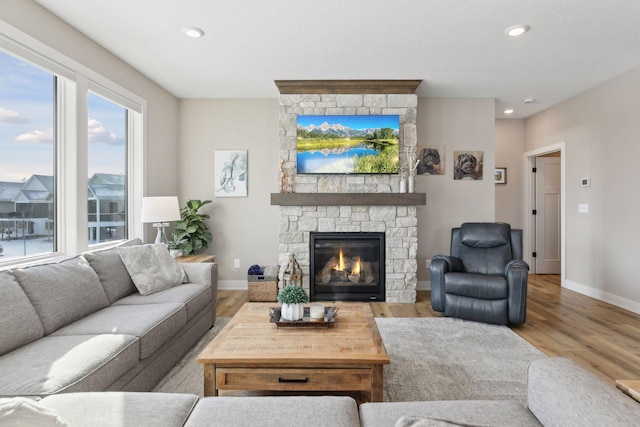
(250,353)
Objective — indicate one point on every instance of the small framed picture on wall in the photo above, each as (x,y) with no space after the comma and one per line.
(501,176)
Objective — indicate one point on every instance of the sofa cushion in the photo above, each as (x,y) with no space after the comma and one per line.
(267,411)
(122,409)
(18,316)
(62,292)
(23,411)
(482,286)
(153,324)
(194,296)
(151,267)
(57,364)
(463,412)
(113,275)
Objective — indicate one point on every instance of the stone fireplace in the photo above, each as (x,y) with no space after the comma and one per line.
(351,203)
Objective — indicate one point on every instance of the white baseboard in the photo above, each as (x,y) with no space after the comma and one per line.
(233,285)
(601,295)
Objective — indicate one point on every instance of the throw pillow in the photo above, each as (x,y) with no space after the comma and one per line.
(20,411)
(113,274)
(62,292)
(18,316)
(151,267)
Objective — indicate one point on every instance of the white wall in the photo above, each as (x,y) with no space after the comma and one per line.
(459,125)
(244,228)
(510,201)
(601,128)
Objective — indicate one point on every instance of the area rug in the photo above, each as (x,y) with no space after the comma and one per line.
(431,359)
(187,376)
(453,359)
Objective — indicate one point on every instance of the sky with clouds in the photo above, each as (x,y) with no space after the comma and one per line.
(27,123)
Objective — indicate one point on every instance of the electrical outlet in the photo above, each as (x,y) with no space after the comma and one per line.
(236,263)
(428,263)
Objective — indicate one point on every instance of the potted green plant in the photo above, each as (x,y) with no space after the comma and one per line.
(192,227)
(292,298)
(175,245)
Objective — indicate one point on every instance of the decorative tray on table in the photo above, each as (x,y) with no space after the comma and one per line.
(306,322)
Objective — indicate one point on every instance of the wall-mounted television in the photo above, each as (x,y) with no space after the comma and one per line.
(348,144)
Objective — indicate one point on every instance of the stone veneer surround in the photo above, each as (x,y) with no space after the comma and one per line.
(399,223)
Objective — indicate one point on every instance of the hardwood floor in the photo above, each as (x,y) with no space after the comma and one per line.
(603,338)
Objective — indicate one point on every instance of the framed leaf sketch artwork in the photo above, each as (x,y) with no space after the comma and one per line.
(467,165)
(431,160)
(231,173)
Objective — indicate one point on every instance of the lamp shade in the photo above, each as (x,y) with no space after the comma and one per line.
(160,209)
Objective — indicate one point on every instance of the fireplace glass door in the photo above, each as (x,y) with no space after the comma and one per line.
(347,266)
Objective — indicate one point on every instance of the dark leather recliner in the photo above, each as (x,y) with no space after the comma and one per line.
(484,279)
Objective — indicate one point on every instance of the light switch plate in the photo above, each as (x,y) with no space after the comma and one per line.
(583,208)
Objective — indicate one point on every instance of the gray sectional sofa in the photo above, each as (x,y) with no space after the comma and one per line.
(80,324)
(560,393)
(82,344)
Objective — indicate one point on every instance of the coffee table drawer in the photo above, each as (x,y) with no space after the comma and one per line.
(293,379)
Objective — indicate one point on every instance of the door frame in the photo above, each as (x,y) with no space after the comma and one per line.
(529,191)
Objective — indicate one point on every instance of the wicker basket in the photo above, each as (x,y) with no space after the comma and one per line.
(263,288)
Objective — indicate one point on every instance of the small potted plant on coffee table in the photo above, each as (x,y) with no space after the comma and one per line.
(292,298)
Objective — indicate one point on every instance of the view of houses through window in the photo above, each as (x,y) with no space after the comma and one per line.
(28,163)
(107,166)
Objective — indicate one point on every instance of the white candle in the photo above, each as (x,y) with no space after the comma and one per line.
(316,310)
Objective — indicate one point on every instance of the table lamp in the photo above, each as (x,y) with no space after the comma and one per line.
(159,211)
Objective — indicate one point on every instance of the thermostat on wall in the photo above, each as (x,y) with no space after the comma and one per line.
(585,182)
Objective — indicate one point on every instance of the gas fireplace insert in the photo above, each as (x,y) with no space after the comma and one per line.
(347,266)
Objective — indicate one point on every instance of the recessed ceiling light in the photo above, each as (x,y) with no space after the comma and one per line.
(193,32)
(508,111)
(516,30)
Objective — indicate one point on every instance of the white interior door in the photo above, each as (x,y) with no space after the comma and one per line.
(547,219)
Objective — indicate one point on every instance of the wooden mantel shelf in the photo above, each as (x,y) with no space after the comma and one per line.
(347,86)
(348,199)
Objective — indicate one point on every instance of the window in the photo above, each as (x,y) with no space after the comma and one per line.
(47,206)
(27,159)
(107,170)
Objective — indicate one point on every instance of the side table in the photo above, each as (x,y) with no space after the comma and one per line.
(197,258)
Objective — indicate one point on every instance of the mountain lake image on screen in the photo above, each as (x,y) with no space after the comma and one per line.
(348,144)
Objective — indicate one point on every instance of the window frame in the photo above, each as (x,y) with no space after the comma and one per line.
(73,83)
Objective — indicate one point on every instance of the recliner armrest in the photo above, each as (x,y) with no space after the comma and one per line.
(440,265)
(517,275)
(453,264)
(516,263)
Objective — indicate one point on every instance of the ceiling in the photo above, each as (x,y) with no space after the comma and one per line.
(457,47)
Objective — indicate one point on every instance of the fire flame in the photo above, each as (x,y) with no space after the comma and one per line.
(355,270)
(356,266)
